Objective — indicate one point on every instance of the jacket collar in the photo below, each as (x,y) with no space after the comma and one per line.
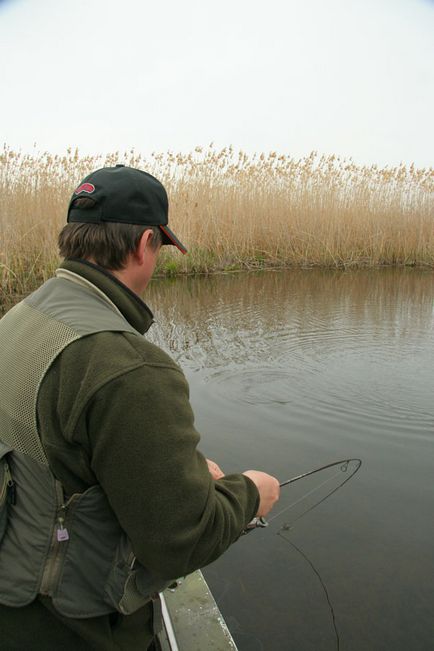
(131,306)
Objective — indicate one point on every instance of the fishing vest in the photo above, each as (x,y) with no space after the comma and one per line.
(71,549)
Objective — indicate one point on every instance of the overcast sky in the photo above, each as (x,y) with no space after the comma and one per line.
(350,77)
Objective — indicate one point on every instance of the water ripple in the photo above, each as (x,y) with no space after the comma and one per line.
(359,357)
(259,386)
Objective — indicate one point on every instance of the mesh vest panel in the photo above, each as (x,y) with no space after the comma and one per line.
(33,339)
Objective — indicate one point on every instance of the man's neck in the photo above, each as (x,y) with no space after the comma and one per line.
(126,276)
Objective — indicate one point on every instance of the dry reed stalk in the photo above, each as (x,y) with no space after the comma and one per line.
(231,209)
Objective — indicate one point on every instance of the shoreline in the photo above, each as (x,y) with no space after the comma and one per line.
(8,299)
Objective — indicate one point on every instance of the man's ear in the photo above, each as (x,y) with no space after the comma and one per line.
(144,241)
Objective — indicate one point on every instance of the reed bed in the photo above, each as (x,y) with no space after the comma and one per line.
(233,211)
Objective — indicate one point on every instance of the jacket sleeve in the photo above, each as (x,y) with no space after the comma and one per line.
(144,454)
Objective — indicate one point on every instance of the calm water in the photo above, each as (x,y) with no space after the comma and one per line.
(291,370)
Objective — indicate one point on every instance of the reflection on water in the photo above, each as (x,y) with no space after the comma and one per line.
(272,314)
(288,371)
(301,337)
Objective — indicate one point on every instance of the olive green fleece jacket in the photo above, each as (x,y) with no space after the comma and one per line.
(114,409)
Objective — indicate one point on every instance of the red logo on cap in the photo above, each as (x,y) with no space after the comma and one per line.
(85,187)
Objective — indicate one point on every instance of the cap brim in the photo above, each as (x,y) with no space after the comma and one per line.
(170,238)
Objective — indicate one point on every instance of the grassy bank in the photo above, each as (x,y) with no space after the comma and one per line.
(233,211)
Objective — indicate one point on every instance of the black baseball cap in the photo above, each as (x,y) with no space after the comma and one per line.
(124,195)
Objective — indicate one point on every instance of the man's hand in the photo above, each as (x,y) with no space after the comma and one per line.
(268,487)
(215,471)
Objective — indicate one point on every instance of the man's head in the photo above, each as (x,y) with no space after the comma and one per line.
(109,212)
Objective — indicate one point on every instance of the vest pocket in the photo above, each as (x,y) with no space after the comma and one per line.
(7,487)
(129,585)
(96,571)
(121,589)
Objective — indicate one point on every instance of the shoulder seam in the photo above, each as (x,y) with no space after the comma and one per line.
(172,364)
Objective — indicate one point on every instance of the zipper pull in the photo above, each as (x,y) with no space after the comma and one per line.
(62,533)
(11,487)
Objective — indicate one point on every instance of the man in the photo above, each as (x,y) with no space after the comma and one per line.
(106,498)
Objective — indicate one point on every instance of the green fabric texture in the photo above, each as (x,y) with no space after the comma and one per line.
(114,410)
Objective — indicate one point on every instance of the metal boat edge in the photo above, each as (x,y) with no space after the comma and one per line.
(192,620)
